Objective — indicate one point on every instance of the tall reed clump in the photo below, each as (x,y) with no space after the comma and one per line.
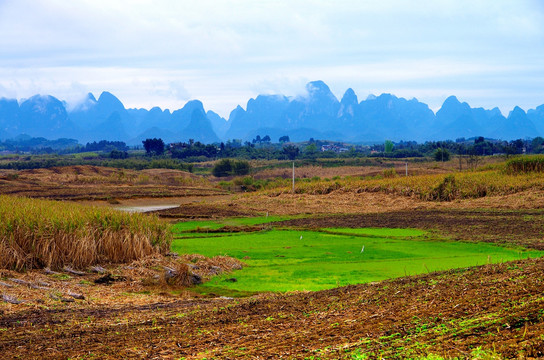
(525,164)
(40,233)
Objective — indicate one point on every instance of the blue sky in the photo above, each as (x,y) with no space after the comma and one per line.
(488,52)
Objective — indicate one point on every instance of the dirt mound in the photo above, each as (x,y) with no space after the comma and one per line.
(203,211)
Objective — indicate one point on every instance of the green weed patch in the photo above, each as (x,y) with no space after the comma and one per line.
(289,260)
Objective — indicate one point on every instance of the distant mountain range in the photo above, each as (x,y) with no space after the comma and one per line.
(319,114)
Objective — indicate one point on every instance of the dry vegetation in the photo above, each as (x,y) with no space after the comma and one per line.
(146,313)
(461,185)
(468,313)
(368,167)
(39,233)
(151,279)
(101,183)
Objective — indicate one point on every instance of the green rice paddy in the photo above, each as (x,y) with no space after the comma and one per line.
(288,260)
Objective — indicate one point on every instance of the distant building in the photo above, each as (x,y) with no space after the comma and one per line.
(334,148)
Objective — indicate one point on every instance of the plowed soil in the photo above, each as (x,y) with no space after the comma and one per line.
(202,211)
(496,307)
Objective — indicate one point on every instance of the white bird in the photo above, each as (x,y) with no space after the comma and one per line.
(363,249)
(300,237)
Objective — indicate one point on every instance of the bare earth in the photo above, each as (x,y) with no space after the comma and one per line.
(495,307)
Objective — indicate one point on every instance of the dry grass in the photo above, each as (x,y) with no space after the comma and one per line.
(372,167)
(101,183)
(39,233)
(138,283)
(460,185)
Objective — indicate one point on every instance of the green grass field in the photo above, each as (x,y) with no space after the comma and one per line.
(287,260)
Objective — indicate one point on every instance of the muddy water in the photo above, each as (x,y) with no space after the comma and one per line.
(145,208)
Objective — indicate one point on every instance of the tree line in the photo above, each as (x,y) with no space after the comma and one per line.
(194,151)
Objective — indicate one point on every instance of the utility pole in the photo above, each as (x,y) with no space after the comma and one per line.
(293,177)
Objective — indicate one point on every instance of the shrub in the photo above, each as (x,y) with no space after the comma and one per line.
(389,173)
(227,167)
(441,154)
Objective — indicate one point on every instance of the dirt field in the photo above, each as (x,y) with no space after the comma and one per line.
(101,183)
(492,309)
(497,307)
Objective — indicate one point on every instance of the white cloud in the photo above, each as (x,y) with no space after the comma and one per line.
(223,52)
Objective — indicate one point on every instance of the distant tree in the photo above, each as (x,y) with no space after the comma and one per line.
(234,143)
(116,154)
(184,150)
(257,139)
(536,144)
(266,139)
(291,151)
(518,145)
(284,139)
(310,151)
(388,146)
(105,145)
(441,154)
(154,146)
(227,167)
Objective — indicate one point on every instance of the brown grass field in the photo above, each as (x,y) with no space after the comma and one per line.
(101,183)
(485,312)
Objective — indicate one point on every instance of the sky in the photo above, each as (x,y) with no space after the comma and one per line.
(165,52)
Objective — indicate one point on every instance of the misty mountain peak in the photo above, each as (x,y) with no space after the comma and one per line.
(195,104)
(237,112)
(451,100)
(517,111)
(317,86)
(90,97)
(349,98)
(453,105)
(319,114)
(495,112)
(43,104)
(318,90)
(109,100)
